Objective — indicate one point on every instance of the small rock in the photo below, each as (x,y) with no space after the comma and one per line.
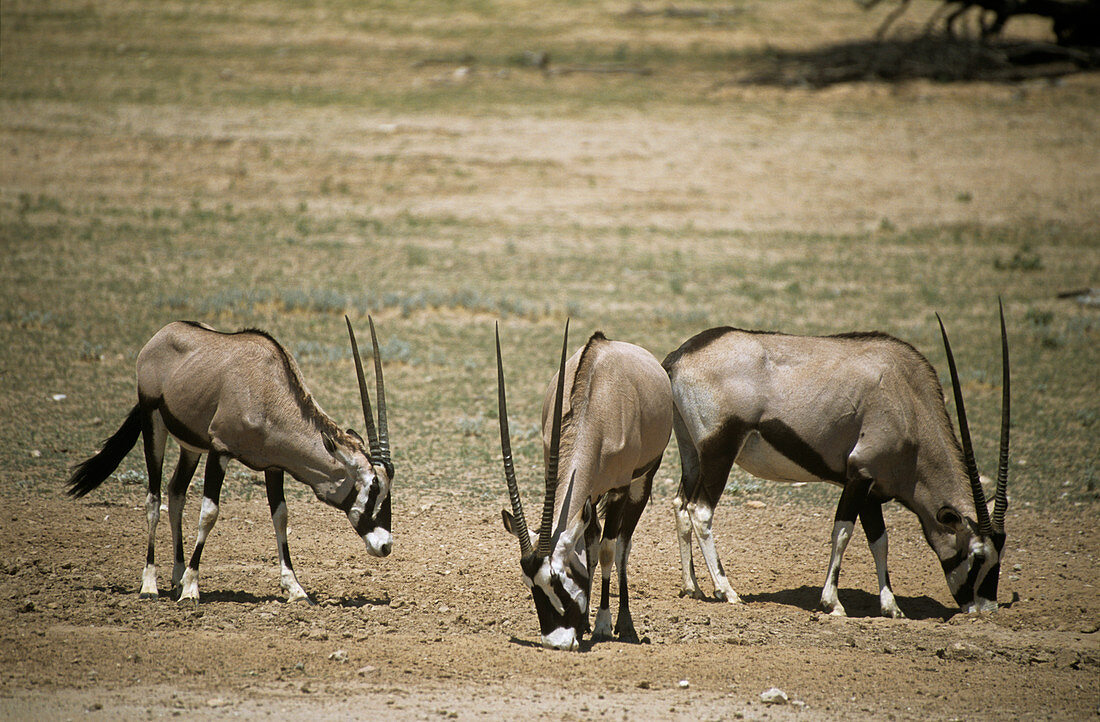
(59,397)
(755,504)
(339,656)
(684,684)
(364,671)
(36,454)
(27,606)
(217,702)
(774,696)
(644,684)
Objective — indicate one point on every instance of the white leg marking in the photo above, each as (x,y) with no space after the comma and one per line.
(190,584)
(149,583)
(690,585)
(888,606)
(701,519)
(842,533)
(149,575)
(208,516)
(607,563)
(287,579)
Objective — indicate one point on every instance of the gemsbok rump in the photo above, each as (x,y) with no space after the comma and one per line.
(603,442)
(241,396)
(864,411)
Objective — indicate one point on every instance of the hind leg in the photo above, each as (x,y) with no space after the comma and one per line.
(208,516)
(612,520)
(154,434)
(633,505)
(689,480)
(177,494)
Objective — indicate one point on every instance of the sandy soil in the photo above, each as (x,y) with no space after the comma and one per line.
(444,627)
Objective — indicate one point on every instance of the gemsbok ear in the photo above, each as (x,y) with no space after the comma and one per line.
(950,518)
(355,435)
(509,522)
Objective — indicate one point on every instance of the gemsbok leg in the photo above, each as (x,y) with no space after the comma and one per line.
(177,494)
(208,516)
(701,496)
(154,435)
(276,501)
(870,517)
(852,499)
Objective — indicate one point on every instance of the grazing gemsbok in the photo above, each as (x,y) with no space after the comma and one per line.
(864,411)
(605,441)
(241,396)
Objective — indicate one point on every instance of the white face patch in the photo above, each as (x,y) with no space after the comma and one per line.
(561,638)
(378,542)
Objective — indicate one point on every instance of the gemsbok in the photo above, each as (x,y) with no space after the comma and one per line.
(241,396)
(864,411)
(603,442)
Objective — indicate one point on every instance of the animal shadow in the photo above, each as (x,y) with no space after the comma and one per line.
(857,602)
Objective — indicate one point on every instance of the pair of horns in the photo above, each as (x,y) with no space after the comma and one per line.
(546,525)
(378,438)
(986,525)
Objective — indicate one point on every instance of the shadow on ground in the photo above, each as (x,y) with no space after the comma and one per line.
(937,57)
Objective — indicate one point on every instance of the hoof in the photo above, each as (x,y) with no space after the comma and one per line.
(730,596)
(628,636)
(833,610)
(148,595)
(693,593)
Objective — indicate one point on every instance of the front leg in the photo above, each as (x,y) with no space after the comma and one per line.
(208,516)
(870,516)
(276,501)
(851,500)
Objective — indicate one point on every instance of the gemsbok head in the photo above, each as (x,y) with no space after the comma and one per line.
(864,411)
(241,396)
(606,419)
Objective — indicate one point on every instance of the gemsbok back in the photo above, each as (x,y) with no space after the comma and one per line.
(603,442)
(241,396)
(864,411)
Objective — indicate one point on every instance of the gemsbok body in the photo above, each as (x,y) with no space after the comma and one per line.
(864,411)
(241,396)
(606,420)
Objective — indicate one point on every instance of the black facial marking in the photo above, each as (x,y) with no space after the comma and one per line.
(988,587)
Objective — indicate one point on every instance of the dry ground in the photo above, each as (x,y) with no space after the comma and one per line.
(279,164)
(444,627)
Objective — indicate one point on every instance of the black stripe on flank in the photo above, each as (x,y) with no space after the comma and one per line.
(784,440)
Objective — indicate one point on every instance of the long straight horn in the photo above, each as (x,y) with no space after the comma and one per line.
(547,525)
(980,508)
(383,427)
(1000,500)
(506,451)
(368,415)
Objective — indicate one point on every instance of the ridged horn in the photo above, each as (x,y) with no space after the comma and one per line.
(547,524)
(1000,500)
(506,451)
(368,414)
(980,508)
(383,427)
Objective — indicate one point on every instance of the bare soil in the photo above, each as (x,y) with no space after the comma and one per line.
(444,627)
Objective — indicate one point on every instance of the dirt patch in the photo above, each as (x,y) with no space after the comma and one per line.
(445,628)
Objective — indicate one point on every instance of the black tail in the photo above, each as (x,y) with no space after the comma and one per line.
(93,472)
